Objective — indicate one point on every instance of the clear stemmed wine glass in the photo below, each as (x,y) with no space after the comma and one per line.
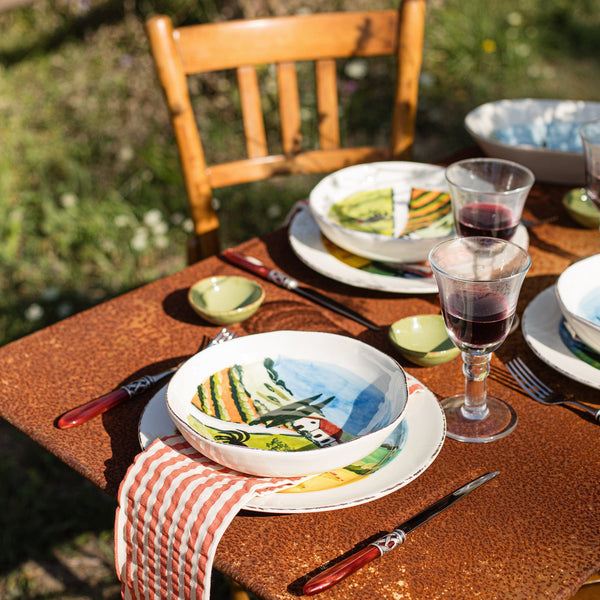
(590,136)
(479,280)
(488,195)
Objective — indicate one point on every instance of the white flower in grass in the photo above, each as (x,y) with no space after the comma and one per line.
(160,228)
(161,241)
(188,226)
(356,69)
(121,221)
(514,19)
(139,241)
(68,200)
(126,154)
(153,217)
(34,312)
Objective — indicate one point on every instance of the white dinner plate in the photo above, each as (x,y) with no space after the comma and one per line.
(309,245)
(541,329)
(425,431)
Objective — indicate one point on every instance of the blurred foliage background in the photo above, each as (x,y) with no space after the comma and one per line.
(92,201)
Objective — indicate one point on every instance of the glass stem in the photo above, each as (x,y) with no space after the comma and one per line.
(476,369)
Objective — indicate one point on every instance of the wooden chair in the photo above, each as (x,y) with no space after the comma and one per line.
(243,45)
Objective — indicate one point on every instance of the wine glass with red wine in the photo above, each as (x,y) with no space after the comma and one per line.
(479,280)
(590,136)
(488,195)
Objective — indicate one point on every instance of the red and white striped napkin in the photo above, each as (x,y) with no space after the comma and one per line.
(174,506)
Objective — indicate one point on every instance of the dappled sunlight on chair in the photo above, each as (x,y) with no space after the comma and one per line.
(244,45)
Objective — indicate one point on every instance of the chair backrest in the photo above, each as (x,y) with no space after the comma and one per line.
(243,45)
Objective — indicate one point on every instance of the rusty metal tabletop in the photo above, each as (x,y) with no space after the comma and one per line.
(533,532)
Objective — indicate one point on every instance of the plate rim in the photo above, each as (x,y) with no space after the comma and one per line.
(418,404)
(546,343)
(304,236)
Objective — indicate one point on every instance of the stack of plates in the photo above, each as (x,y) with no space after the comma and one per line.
(386,426)
(372,225)
(562,324)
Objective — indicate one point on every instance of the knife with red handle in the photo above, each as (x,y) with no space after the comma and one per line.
(329,577)
(253,265)
(93,408)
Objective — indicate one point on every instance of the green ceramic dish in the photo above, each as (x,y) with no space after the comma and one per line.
(581,209)
(423,340)
(224,300)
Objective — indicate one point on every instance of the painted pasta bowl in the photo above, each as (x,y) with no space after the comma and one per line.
(540,134)
(578,295)
(386,211)
(288,403)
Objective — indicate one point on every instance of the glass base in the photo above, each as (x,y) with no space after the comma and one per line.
(499,420)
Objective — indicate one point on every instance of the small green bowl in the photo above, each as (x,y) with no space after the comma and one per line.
(224,300)
(581,209)
(423,340)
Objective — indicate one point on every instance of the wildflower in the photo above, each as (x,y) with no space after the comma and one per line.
(34,312)
(139,241)
(488,46)
(126,154)
(188,226)
(514,19)
(356,69)
(68,200)
(152,218)
(121,221)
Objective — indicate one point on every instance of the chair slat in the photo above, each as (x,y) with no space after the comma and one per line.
(312,161)
(256,41)
(289,107)
(254,125)
(327,104)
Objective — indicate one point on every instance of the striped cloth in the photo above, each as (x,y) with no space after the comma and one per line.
(174,506)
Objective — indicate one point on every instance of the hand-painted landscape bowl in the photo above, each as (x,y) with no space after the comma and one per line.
(540,134)
(423,340)
(581,209)
(386,211)
(578,295)
(224,300)
(288,403)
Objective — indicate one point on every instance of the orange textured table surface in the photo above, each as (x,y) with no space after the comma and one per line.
(533,532)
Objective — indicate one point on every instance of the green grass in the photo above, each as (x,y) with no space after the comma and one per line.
(92,201)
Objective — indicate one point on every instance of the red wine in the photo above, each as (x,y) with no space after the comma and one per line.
(492,220)
(480,319)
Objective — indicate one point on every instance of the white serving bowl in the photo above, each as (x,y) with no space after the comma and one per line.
(540,134)
(402,177)
(334,387)
(578,295)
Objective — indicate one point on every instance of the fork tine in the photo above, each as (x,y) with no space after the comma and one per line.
(533,377)
(515,370)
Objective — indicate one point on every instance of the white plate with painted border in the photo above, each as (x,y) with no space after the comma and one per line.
(309,245)
(541,329)
(425,431)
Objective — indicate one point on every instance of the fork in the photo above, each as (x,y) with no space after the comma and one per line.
(539,391)
(95,407)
